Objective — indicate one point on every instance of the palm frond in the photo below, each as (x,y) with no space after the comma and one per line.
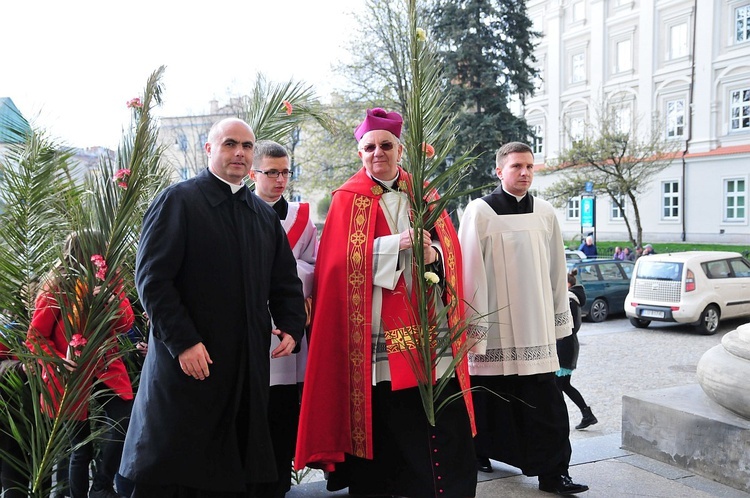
(106,214)
(274,110)
(430,124)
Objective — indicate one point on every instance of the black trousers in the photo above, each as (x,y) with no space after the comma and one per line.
(15,483)
(14,478)
(522,421)
(117,416)
(283,419)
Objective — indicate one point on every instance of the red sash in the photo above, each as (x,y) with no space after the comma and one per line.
(298,227)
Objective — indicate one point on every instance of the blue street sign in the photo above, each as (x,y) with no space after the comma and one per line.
(587,211)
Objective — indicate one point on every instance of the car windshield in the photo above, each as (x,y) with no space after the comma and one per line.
(660,270)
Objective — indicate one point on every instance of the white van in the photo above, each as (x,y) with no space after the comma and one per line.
(698,287)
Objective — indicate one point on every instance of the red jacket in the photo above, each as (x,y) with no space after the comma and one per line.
(47,332)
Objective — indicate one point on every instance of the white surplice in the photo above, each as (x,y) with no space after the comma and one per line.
(291,369)
(516,288)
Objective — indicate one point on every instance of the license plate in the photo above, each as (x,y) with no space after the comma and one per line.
(652,313)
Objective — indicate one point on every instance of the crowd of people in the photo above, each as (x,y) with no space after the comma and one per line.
(269,348)
(588,248)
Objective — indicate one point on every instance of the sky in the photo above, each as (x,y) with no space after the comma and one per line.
(70,66)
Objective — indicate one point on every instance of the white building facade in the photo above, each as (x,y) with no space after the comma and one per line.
(680,66)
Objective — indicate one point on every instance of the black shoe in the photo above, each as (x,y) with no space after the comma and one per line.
(588,418)
(484,465)
(561,485)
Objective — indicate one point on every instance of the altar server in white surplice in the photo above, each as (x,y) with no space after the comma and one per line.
(516,290)
(271,175)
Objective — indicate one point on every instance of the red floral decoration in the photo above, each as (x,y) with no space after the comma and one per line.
(77,343)
(429,150)
(121,177)
(101,266)
(134,103)
(288,106)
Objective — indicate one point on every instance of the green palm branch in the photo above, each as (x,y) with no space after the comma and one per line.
(428,121)
(107,217)
(266,109)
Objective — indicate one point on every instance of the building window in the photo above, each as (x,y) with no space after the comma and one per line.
(670,200)
(616,213)
(537,139)
(623,119)
(678,41)
(624,56)
(675,118)
(576,130)
(740,109)
(202,139)
(182,142)
(574,209)
(578,67)
(742,23)
(735,199)
(579,11)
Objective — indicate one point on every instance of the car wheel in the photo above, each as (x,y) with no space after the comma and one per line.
(639,324)
(599,310)
(709,321)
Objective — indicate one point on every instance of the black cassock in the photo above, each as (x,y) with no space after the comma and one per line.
(212,267)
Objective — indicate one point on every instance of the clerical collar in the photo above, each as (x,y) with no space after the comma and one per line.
(388,184)
(235,188)
(271,203)
(519,198)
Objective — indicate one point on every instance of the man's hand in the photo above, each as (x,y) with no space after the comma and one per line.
(194,361)
(407,238)
(287,344)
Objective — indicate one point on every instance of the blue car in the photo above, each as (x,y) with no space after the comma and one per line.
(606,282)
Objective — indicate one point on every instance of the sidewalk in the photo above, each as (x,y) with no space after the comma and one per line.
(599,462)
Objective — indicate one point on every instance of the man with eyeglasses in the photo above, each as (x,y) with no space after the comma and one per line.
(271,175)
(362,417)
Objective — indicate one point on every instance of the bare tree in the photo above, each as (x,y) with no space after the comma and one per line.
(378,74)
(619,162)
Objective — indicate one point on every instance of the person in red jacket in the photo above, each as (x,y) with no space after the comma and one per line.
(47,335)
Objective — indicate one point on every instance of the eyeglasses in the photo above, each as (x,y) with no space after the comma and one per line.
(385,146)
(275,174)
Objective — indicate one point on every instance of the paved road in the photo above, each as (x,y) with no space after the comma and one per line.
(617,359)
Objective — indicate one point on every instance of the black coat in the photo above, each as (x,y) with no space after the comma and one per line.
(568,347)
(210,267)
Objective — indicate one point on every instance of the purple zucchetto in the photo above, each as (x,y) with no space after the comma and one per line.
(379,119)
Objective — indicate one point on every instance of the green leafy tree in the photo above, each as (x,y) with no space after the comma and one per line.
(486,48)
(620,163)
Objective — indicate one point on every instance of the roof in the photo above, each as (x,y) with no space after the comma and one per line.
(697,256)
(13,126)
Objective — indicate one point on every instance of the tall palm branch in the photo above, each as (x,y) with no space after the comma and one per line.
(106,213)
(429,124)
